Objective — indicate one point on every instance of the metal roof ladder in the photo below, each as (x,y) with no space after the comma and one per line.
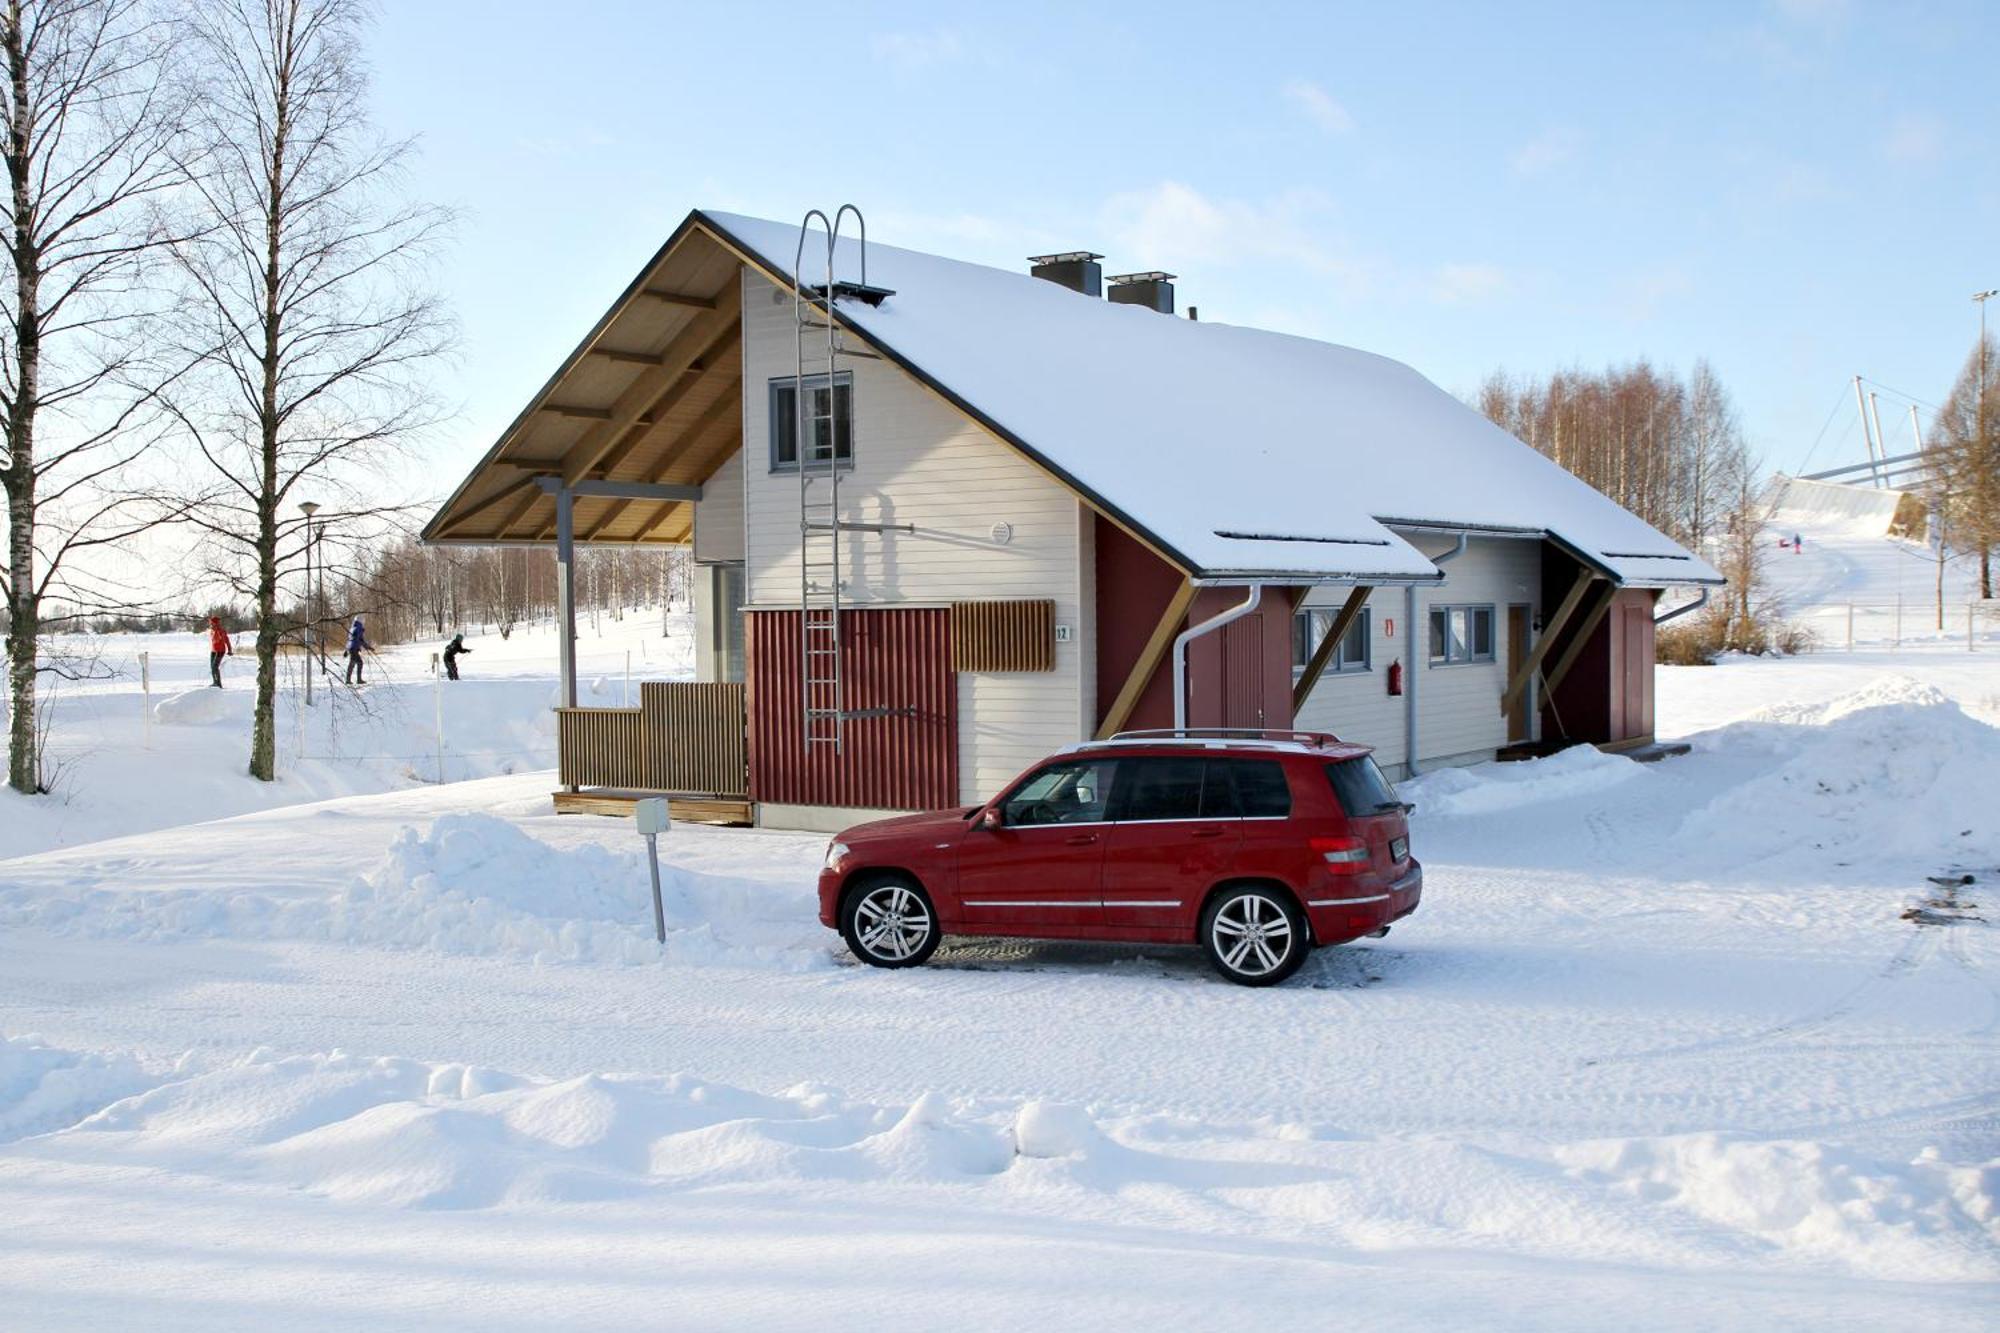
(817,439)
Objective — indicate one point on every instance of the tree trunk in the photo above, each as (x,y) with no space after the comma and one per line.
(23,599)
(263,727)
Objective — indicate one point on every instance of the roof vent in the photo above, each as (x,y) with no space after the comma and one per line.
(1077,270)
(1154,290)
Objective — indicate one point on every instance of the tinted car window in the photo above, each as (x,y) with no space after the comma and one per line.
(1074,792)
(1261,790)
(1161,789)
(1361,787)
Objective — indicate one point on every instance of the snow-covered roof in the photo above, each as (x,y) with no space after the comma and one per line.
(1247,454)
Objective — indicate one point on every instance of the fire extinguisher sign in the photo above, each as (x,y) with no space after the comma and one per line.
(1388,628)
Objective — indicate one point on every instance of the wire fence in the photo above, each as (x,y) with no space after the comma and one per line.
(1957,626)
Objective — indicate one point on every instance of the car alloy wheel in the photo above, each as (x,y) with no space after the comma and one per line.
(889,922)
(1254,936)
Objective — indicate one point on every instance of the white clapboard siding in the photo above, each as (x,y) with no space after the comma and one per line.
(919,461)
(718,515)
(1458,707)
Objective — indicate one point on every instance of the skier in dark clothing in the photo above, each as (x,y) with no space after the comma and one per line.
(218,648)
(357,643)
(451,652)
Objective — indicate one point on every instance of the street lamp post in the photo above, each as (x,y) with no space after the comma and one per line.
(1979,412)
(309,508)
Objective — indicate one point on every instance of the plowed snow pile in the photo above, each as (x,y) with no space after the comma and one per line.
(470,884)
(1484,789)
(1894,774)
(405,1134)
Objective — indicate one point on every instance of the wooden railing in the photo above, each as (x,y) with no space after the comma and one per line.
(685,736)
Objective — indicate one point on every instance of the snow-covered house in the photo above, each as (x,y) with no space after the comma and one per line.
(1027,510)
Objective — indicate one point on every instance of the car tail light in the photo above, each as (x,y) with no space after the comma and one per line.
(1343,856)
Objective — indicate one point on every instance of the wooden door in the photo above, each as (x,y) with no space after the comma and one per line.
(1517,653)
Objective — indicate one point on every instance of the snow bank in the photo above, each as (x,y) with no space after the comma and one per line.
(404,1134)
(1923,1218)
(470,884)
(1894,772)
(1484,789)
(43,1087)
(202,707)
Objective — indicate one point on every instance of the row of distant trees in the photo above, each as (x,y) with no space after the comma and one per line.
(1668,447)
(1963,489)
(216,306)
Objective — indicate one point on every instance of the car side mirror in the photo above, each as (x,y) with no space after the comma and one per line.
(989,819)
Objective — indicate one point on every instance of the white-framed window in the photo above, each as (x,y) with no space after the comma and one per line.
(1461,634)
(829,421)
(1312,624)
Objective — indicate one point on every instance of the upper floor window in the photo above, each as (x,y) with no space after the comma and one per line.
(1461,634)
(829,421)
(1312,624)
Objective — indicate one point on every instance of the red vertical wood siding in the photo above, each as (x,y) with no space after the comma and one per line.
(896,659)
(1241,674)
(1133,589)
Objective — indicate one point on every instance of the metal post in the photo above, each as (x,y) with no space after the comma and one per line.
(437,679)
(628,678)
(1875,411)
(566,594)
(1861,407)
(311,618)
(659,910)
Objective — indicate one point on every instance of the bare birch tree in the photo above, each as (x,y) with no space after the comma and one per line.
(308,306)
(92,121)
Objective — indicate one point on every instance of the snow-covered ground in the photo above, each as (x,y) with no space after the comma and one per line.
(1692,1044)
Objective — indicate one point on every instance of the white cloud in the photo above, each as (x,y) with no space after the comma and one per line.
(918,50)
(1316,104)
(1460,284)
(1914,138)
(1546,151)
(1173,223)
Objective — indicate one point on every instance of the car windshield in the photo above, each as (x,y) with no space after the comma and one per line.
(1072,792)
(1362,789)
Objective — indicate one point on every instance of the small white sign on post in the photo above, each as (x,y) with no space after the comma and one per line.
(653,819)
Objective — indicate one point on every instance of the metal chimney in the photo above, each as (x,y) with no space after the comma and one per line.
(1154,290)
(1077,270)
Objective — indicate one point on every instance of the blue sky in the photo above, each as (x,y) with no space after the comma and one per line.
(1799,191)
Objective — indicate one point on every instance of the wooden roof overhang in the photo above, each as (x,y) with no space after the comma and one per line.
(651,398)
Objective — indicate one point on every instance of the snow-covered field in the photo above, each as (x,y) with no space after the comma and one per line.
(1694,1044)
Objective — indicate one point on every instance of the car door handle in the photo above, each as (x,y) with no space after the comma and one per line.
(1081,839)
(1208,833)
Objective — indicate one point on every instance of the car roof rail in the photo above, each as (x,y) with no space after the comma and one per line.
(1287,735)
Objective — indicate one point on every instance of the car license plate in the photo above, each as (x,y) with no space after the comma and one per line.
(1399,848)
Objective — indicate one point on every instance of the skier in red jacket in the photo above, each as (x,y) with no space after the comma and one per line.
(218,648)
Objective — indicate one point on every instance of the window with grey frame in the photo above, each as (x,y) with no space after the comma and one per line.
(829,421)
(1461,634)
(1312,624)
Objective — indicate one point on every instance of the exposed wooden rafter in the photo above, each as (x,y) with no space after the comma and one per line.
(679,298)
(724,408)
(1529,664)
(1584,630)
(654,389)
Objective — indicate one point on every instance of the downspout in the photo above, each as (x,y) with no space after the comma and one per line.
(1679,611)
(1410,676)
(1193,632)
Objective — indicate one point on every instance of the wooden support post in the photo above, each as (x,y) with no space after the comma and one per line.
(1577,640)
(1324,652)
(1148,661)
(1550,630)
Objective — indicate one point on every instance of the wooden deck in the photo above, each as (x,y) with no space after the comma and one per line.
(687,809)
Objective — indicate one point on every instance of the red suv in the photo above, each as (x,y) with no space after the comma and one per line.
(1256,847)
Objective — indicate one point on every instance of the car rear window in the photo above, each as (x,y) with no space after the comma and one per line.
(1259,784)
(1360,786)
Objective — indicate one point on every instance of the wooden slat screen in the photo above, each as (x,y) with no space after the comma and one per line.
(1003,636)
(601,747)
(695,739)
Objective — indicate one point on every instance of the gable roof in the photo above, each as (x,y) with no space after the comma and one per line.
(1244,454)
